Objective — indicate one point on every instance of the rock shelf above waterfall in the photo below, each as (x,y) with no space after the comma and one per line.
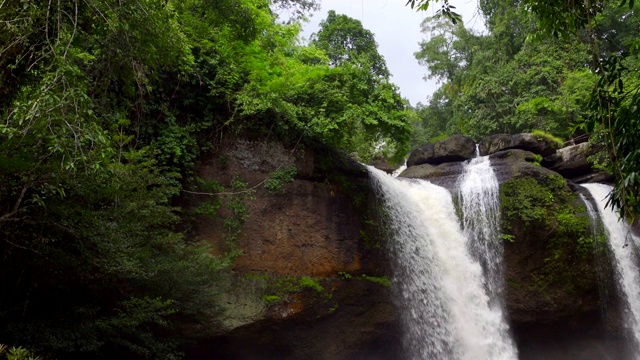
(529,142)
(512,156)
(454,148)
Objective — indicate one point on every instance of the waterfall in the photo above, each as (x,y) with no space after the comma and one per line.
(623,245)
(399,170)
(445,308)
(601,262)
(593,214)
(478,194)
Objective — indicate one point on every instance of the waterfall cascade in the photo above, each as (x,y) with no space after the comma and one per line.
(447,308)
(624,249)
(478,192)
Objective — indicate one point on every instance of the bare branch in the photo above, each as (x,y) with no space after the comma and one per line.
(16,206)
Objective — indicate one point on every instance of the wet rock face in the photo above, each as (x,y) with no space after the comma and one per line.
(297,290)
(455,148)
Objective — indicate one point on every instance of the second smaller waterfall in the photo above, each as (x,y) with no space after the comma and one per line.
(624,247)
(478,192)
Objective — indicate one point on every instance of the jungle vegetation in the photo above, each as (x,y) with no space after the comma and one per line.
(107,106)
(566,67)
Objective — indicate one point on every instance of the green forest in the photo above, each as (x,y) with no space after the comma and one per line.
(108,106)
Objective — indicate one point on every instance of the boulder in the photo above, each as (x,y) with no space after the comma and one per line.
(421,155)
(571,161)
(598,177)
(494,143)
(454,148)
(445,175)
(383,164)
(506,164)
(511,163)
(537,144)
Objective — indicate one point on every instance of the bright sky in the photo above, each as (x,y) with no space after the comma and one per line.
(397,31)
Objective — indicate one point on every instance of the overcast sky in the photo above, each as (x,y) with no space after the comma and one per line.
(397,31)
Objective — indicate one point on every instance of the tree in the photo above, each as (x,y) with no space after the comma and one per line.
(485,91)
(345,101)
(344,40)
(106,106)
(615,100)
(444,52)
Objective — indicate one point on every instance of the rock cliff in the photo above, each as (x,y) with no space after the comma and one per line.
(312,280)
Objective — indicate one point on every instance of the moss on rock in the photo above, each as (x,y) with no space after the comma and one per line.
(552,243)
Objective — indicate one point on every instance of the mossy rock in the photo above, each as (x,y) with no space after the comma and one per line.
(551,253)
(537,142)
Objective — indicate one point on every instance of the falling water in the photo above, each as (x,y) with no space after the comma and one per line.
(478,193)
(623,246)
(399,170)
(593,214)
(446,310)
(601,262)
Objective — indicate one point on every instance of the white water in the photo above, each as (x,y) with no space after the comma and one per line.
(399,170)
(445,308)
(478,192)
(593,214)
(623,246)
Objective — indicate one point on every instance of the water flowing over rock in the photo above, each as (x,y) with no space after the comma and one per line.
(451,297)
(445,308)
(478,192)
(624,248)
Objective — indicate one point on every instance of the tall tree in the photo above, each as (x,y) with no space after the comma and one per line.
(344,39)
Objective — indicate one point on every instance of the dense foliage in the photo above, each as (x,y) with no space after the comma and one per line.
(498,82)
(568,68)
(106,107)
